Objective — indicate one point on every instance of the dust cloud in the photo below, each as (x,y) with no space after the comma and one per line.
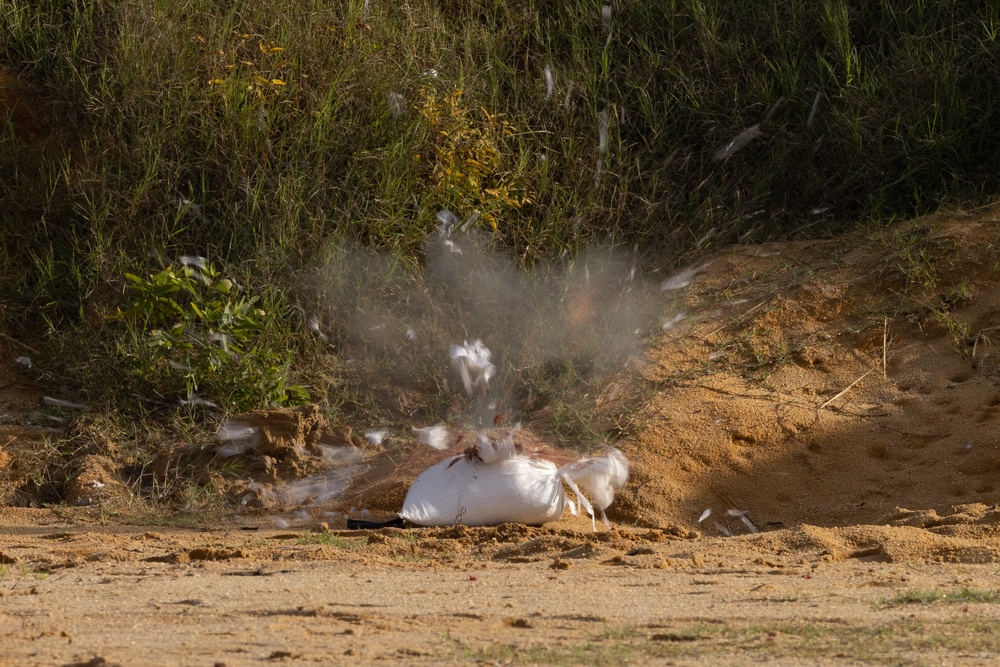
(585,315)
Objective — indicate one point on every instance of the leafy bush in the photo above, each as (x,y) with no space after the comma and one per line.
(193,333)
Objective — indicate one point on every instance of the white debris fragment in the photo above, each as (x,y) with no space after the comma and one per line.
(411,335)
(195,399)
(375,437)
(683,278)
(58,403)
(498,448)
(432,436)
(722,529)
(743,516)
(341,454)
(193,260)
(473,364)
(599,477)
(549,83)
(602,131)
(24,361)
(220,338)
(674,320)
(705,238)
(279,522)
(812,112)
(396,102)
(704,515)
(313,323)
(429,74)
(239,437)
(738,142)
(95,484)
(452,246)
(448,221)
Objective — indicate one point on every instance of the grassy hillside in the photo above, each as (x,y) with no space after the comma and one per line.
(263,134)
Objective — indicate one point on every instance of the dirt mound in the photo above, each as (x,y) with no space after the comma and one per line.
(828,383)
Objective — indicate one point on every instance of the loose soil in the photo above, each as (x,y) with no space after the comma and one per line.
(841,397)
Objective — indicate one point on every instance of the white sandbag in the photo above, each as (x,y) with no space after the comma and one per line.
(460,491)
(492,482)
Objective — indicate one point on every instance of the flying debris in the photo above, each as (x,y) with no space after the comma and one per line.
(704,515)
(683,278)
(738,142)
(396,102)
(745,518)
(197,262)
(602,131)
(237,436)
(606,15)
(375,437)
(770,112)
(673,321)
(705,238)
(58,403)
(549,83)
(195,399)
(432,436)
(185,204)
(24,361)
(448,222)
(812,112)
(313,323)
(473,364)
(221,339)
(599,478)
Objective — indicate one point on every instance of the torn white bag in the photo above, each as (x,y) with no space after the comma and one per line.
(493,483)
(458,491)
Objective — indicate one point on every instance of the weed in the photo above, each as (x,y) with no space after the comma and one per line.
(333,540)
(936,595)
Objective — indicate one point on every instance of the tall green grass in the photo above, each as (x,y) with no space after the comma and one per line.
(257,133)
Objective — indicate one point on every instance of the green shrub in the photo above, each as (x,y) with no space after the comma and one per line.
(192,333)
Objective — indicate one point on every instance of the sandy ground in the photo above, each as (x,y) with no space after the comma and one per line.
(841,397)
(78,594)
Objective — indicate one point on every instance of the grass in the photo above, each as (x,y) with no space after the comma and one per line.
(267,137)
(939,596)
(898,642)
(330,539)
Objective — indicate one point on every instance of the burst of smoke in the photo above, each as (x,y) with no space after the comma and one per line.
(587,314)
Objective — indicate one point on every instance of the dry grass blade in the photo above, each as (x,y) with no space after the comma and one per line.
(847,388)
